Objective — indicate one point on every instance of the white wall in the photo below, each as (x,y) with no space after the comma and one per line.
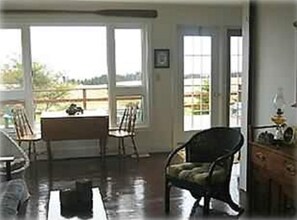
(158,137)
(275,59)
(164,85)
(295,20)
(245,92)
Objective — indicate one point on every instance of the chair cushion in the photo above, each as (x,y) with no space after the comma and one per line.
(196,172)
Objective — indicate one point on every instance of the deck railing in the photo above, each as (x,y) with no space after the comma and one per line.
(94,95)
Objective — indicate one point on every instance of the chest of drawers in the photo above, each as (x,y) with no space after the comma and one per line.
(272,190)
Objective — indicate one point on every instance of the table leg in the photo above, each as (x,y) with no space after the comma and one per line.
(49,151)
(102,143)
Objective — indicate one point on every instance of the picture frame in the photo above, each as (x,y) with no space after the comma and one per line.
(161,58)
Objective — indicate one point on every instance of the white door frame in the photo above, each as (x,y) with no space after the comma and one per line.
(179,134)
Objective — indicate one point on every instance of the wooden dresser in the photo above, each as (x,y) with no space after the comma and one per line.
(272,178)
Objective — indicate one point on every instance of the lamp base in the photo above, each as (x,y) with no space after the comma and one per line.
(279,134)
(279,120)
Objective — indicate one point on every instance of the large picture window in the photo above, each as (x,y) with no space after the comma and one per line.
(69,66)
(96,67)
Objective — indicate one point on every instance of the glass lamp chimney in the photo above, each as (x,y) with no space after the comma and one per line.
(279,101)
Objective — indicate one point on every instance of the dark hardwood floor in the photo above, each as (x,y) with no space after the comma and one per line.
(130,189)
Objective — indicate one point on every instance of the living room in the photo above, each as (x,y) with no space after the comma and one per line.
(268,63)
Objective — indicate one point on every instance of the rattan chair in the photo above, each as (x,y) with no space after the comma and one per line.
(126,129)
(207,168)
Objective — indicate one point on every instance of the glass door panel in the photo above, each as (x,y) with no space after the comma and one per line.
(197,59)
(235,102)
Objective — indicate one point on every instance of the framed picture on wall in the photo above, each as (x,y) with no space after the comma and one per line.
(161,58)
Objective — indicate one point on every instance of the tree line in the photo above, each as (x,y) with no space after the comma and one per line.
(50,85)
(103,79)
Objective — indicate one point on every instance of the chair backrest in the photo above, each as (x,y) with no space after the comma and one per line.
(128,119)
(210,144)
(21,122)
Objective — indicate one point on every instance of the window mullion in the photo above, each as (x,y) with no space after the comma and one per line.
(110,39)
(146,70)
(28,77)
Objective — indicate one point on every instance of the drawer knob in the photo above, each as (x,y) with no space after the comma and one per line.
(261,156)
(290,168)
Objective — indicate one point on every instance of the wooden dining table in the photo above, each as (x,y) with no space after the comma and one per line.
(58,126)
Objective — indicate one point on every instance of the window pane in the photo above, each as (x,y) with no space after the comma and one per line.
(197,78)
(69,66)
(128,55)
(235,81)
(11,67)
(6,119)
(123,101)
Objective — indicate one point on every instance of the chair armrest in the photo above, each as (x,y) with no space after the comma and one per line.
(113,129)
(8,161)
(172,153)
(224,157)
(214,164)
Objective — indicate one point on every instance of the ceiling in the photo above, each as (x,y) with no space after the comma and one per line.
(122,1)
(103,4)
(10,4)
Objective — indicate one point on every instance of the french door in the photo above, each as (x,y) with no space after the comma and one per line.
(234,73)
(197,82)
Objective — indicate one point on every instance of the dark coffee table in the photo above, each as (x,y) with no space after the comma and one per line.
(54,208)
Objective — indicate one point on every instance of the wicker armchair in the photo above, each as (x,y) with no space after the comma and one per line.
(207,168)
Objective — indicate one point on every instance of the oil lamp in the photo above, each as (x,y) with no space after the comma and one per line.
(279,119)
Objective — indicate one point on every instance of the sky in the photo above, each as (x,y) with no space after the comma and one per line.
(78,52)
(10,45)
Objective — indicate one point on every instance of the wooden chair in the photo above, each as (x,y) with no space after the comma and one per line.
(23,129)
(126,129)
(206,171)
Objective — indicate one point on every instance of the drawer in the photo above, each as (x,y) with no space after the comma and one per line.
(260,156)
(282,168)
(289,170)
(275,164)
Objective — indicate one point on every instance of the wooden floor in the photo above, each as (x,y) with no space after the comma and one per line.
(130,189)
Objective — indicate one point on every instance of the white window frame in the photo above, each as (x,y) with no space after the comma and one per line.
(115,91)
(24,94)
(179,115)
(144,90)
